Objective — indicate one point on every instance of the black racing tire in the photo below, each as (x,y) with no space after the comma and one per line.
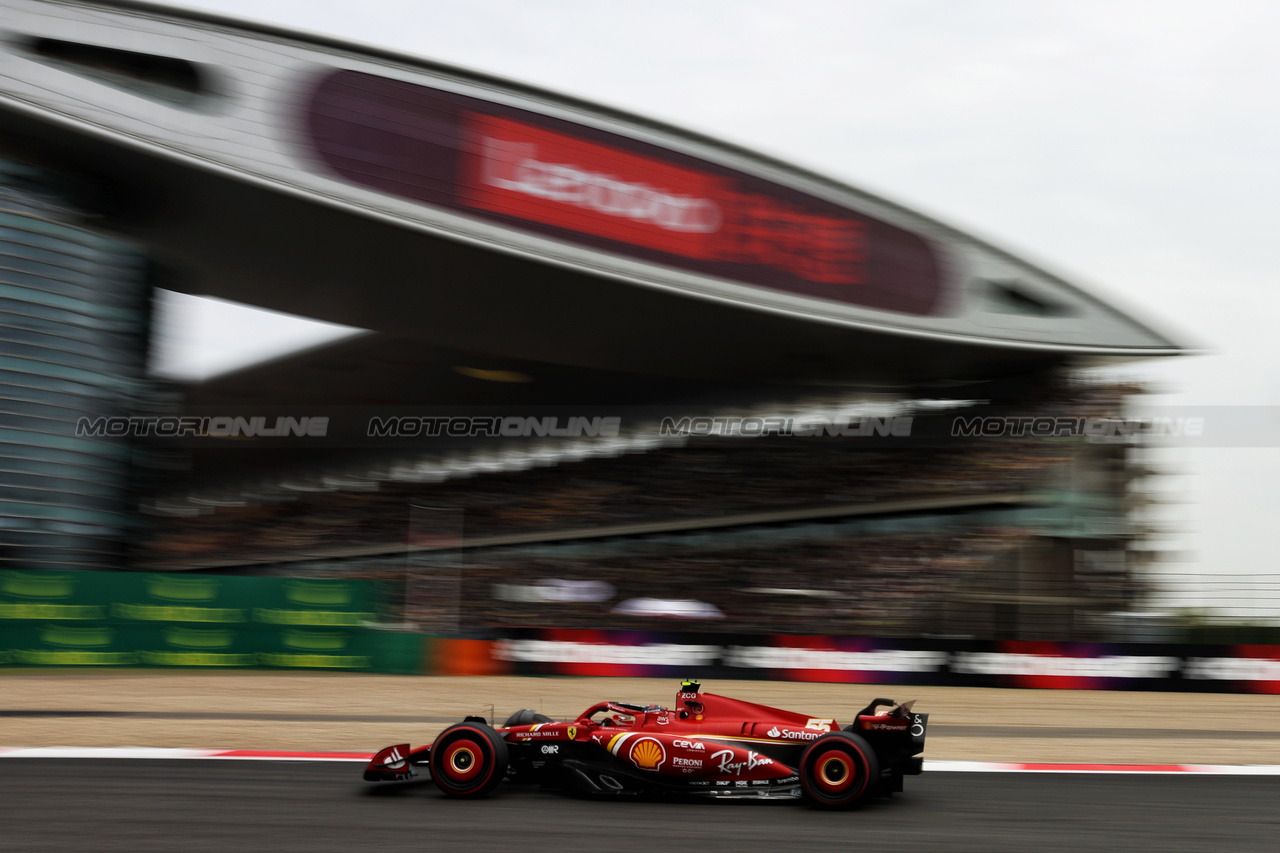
(525,717)
(838,769)
(468,760)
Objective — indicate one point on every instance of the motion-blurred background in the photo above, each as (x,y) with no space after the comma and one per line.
(207,223)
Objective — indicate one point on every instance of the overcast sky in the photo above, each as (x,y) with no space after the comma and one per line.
(1133,147)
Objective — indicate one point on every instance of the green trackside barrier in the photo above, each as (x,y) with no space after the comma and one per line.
(166,620)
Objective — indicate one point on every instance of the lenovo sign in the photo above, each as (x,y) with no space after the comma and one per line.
(609,192)
(547,177)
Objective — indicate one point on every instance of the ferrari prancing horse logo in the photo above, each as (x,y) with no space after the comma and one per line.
(572,732)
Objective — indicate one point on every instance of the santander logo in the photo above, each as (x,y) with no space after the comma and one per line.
(793,734)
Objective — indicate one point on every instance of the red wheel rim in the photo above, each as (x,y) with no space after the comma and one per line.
(834,772)
(462,760)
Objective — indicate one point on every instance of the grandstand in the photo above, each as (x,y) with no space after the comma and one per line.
(513,252)
(928,534)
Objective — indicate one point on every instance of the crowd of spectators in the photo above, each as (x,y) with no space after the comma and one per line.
(705,479)
(870,585)
(885,585)
(881,584)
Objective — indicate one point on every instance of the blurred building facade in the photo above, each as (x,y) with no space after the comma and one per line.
(74,317)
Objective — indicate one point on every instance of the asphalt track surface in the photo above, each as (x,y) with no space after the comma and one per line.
(176,805)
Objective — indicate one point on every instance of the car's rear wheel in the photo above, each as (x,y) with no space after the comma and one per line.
(837,770)
(468,760)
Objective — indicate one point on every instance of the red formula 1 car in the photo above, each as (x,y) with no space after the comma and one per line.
(709,745)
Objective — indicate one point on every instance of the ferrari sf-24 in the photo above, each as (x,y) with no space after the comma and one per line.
(708,745)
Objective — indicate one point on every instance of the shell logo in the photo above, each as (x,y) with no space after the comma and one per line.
(648,754)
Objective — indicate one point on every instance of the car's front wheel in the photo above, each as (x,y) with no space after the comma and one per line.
(837,770)
(468,760)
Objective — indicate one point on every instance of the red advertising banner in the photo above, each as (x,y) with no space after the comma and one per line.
(605,191)
(521,170)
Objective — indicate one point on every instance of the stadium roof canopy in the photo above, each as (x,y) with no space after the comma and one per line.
(470,214)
